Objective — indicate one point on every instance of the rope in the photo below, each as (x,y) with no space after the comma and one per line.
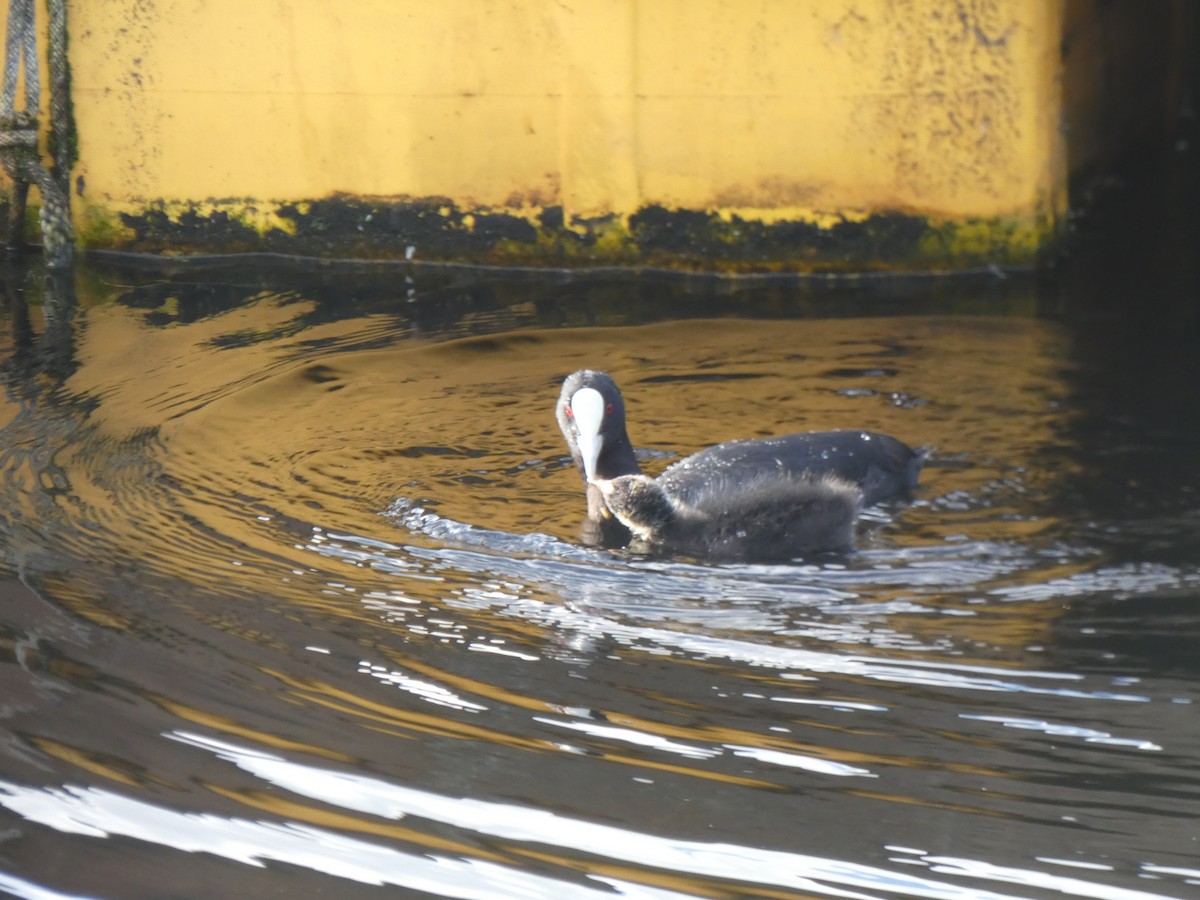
(20,47)
(19,129)
(60,95)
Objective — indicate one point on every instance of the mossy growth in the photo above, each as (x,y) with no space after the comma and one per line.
(438,229)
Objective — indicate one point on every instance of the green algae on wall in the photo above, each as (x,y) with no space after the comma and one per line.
(437,229)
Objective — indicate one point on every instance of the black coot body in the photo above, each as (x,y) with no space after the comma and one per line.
(767,516)
(878,464)
(591,414)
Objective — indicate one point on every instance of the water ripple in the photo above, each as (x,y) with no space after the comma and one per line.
(604,580)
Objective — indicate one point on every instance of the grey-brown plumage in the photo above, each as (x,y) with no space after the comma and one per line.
(772,515)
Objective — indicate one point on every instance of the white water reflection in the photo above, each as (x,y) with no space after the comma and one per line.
(1076,887)
(632,736)
(427,691)
(689,751)
(1139,578)
(586,619)
(27,890)
(1062,729)
(100,813)
(799,761)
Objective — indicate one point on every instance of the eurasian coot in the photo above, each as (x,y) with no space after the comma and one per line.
(591,414)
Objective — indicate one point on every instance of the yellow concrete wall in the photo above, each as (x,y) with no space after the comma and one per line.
(942,120)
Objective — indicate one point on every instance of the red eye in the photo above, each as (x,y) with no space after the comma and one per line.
(568,412)
(608,409)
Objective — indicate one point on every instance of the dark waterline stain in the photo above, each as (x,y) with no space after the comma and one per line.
(436,228)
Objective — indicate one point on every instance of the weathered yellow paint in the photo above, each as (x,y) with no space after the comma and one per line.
(601,106)
(767,112)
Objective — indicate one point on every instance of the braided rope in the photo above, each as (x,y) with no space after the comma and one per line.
(60,93)
(19,130)
(18,138)
(20,48)
(12,57)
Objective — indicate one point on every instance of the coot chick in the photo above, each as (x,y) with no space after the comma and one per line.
(591,414)
(771,515)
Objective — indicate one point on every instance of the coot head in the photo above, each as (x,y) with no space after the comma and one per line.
(591,414)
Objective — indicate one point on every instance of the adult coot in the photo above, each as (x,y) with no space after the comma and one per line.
(770,515)
(591,414)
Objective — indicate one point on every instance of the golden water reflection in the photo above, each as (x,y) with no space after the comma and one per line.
(342,535)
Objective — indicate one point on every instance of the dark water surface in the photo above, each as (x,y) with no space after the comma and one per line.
(295,605)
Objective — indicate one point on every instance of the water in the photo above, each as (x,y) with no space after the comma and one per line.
(295,604)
